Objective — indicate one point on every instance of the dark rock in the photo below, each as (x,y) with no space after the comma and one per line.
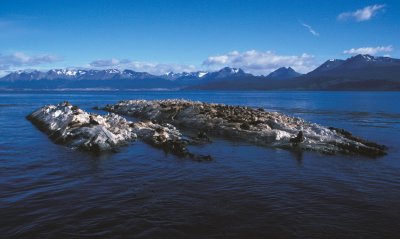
(350,136)
(203,136)
(93,121)
(177,147)
(245,126)
(159,130)
(203,158)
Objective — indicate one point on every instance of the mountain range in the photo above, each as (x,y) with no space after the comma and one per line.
(360,72)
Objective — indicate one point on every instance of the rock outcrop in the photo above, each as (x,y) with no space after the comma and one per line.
(72,126)
(252,125)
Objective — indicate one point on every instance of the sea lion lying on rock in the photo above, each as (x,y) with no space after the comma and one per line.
(298,139)
(252,125)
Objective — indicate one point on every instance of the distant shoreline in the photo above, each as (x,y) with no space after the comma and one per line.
(186,90)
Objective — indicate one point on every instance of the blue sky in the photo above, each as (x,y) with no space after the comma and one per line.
(160,36)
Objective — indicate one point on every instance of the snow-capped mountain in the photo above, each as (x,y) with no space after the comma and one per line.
(74,74)
(329,65)
(283,73)
(174,76)
(360,72)
(108,74)
(355,62)
(226,72)
(358,62)
(110,78)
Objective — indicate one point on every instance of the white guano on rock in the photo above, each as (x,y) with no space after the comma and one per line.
(78,129)
(248,124)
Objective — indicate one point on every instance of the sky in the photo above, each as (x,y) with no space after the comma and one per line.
(160,36)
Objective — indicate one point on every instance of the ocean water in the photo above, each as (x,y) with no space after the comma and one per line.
(247,191)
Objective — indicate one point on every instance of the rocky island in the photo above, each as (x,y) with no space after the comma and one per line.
(252,125)
(69,125)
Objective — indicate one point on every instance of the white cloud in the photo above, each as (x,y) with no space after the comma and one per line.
(152,68)
(18,59)
(105,63)
(260,63)
(363,14)
(368,50)
(310,29)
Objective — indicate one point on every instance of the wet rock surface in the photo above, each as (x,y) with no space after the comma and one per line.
(166,137)
(252,125)
(68,125)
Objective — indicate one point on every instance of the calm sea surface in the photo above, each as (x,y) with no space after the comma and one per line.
(49,191)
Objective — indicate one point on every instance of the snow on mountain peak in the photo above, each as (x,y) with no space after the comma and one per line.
(234,70)
(70,72)
(112,71)
(368,57)
(201,74)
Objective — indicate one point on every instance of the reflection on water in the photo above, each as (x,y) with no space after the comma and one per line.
(48,190)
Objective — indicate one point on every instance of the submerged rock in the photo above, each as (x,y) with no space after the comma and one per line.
(71,126)
(252,125)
